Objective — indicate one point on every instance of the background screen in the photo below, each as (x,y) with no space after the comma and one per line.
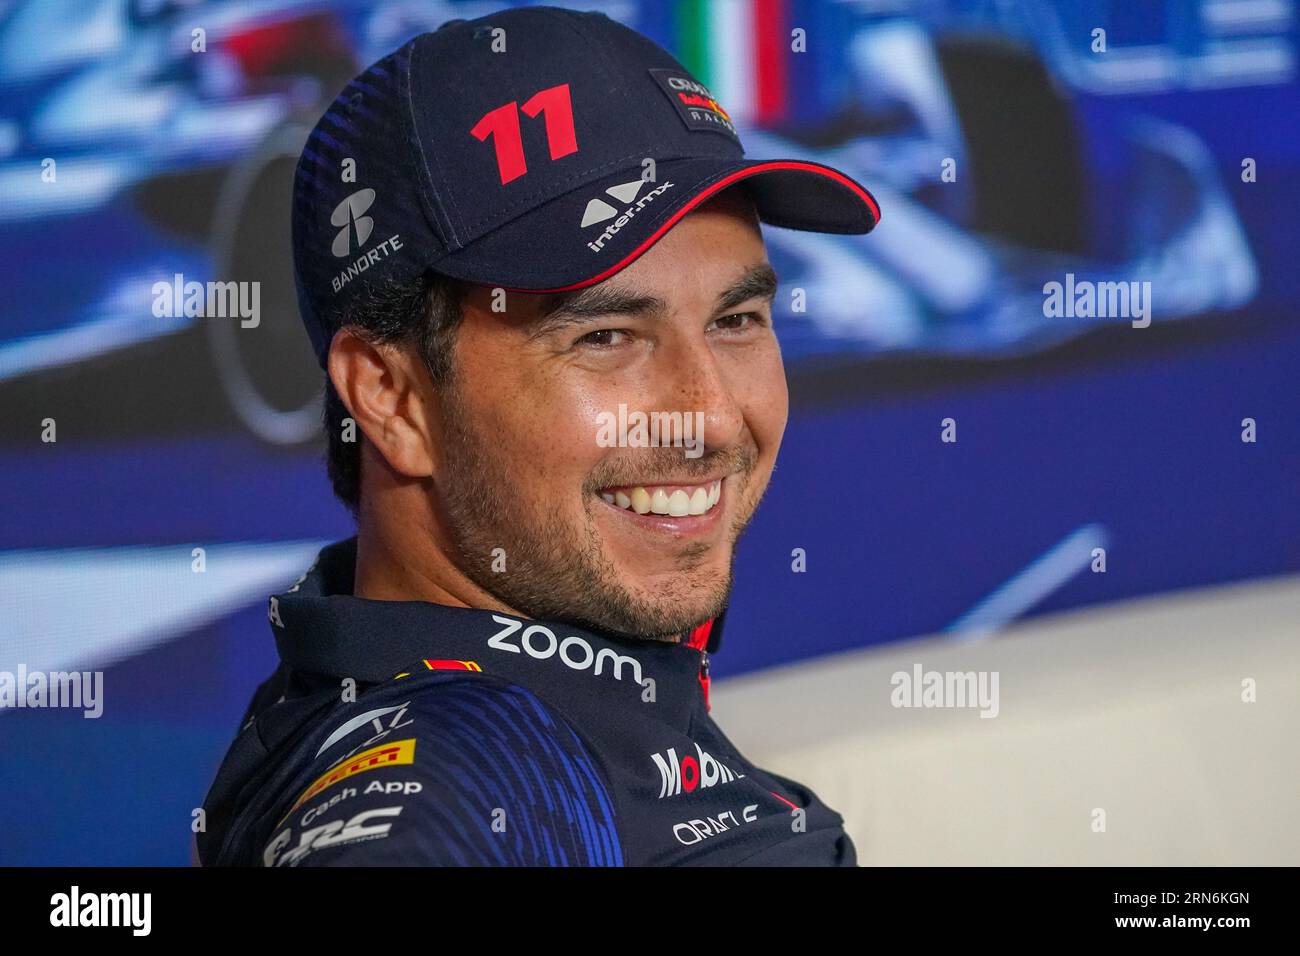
(1007,153)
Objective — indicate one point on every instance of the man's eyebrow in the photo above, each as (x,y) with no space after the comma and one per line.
(570,308)
(578,305)
(760,282)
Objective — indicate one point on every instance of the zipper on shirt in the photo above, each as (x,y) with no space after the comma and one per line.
(704,676)
(699,639)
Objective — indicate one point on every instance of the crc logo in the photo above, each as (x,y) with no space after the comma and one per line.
(703,770)
(539,641)
(349,216)
(334,833)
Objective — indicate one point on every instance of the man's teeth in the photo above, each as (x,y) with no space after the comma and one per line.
(678,504)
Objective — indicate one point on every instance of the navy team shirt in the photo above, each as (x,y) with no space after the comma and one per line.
(410,733)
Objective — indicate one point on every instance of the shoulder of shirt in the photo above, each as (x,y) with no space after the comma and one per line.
(447,767)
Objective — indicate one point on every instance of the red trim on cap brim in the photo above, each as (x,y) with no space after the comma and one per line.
(704,194)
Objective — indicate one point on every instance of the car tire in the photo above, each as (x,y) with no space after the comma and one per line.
(268,371)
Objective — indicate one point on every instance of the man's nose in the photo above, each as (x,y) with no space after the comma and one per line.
(694,382)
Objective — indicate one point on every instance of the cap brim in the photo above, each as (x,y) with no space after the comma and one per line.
(549,250)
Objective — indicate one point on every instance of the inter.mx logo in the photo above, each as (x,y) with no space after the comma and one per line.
(354,232)
(689,773)
(599,211)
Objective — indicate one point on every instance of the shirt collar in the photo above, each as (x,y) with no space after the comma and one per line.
(321,628)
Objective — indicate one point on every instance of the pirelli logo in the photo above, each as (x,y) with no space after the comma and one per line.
(385,755)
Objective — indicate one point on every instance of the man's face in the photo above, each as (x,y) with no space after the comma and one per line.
(633,540)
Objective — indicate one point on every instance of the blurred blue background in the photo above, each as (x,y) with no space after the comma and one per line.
(1073,433)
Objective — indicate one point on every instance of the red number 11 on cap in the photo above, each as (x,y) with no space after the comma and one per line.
(502,124)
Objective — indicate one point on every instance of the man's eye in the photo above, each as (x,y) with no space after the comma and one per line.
(601,338)
(739,320)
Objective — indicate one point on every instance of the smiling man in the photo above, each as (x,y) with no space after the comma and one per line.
(504,233)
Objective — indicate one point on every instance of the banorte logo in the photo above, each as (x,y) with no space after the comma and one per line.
(689,773)
(354,232)
(349,216)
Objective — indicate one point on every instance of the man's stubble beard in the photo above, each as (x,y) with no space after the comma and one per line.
(554,571)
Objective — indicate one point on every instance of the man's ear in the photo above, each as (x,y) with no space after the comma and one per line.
(383,387)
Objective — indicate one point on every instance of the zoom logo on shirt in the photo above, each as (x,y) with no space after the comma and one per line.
(686,774)
(539,641)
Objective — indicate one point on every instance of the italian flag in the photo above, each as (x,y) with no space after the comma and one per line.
(739,50)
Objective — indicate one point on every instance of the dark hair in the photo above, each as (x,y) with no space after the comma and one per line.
(424,313)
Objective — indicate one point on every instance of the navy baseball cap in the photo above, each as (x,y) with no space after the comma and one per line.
(536,149)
